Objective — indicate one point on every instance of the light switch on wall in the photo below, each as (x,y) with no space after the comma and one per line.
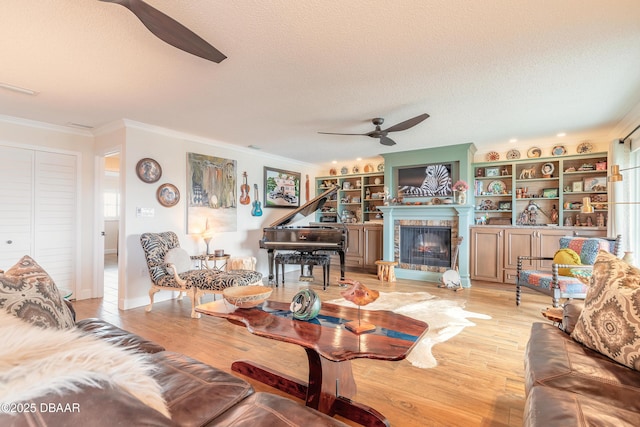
(145,212)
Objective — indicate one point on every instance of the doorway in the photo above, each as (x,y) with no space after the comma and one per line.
(111,228)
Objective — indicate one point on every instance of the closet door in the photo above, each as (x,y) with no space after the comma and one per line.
(55,218)
(16,204)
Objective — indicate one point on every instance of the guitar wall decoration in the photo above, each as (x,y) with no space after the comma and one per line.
(257,208)
(244,190)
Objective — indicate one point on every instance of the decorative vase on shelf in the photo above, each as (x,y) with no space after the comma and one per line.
(459,197)
(628,258)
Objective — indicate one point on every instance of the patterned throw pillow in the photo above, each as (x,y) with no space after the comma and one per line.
(567,257)
(610,321)
(27,291)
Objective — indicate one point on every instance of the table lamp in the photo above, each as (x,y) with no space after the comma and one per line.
(207,235)
(587,207)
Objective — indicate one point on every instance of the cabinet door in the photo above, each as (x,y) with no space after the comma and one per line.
(355,246)
(16,208)
(548,245)
(372,245)
(486,254)
(519,242)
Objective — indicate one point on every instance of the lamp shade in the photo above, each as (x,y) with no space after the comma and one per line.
(615,176)
(587,207)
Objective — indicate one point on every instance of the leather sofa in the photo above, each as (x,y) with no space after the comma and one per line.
(196,395)
(568,384)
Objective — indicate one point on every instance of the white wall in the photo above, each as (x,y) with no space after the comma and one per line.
(170,150)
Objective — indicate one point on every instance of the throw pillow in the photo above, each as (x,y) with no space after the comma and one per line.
(28,292)
(180,259)
(566,256)
(611,316)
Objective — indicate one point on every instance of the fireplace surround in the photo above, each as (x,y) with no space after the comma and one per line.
(457,218)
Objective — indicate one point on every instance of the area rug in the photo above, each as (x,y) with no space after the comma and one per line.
(446,319)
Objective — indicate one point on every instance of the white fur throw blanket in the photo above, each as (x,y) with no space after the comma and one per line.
(35,361)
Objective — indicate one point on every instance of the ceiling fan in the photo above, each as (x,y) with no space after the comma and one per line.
(382,134)
(171,31)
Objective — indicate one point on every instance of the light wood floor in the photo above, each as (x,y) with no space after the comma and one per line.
(478,380)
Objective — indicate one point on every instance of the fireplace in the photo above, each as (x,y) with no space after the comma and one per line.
(425,246)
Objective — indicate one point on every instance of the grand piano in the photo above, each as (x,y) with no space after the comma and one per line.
(309,238)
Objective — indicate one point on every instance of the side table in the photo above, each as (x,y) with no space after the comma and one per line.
(206,258)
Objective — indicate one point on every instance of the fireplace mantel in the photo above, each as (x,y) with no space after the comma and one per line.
(463,213)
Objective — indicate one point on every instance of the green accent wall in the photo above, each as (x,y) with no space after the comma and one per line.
(463,153)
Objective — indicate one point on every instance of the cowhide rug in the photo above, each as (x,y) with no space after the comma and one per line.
(446,319)
(35,361)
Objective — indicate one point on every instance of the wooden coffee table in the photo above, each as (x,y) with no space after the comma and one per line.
(330,347)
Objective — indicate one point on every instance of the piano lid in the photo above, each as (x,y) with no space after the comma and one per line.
(307,209)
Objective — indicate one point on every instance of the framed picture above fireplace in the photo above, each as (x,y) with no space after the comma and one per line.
(428,180)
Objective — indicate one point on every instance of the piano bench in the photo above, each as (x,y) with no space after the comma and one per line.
(304,258)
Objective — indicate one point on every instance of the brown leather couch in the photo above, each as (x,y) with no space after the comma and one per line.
(196,394)
(568,384)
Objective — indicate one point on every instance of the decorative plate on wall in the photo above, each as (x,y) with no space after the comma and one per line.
(168,195)
(380,167)
(534,152)
(513,154)
(584,148)
(148,170)
(492,156)
(559,150)
(344,170)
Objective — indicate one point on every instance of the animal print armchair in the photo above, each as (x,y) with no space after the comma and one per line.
(558,285)
(171,268)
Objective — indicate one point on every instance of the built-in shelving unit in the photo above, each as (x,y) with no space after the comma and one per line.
(537,191)
(357,198)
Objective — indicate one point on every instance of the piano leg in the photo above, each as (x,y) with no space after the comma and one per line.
(271,263)
(341,253)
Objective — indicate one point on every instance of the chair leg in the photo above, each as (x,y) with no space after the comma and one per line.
(195,300)
(152,292)
(517,293)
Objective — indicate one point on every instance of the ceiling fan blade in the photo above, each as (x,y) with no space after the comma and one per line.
(408,123)
(385,140)
(348,134)
(171,31)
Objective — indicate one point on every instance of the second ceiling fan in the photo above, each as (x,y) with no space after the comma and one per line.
(381,134)
(171,31)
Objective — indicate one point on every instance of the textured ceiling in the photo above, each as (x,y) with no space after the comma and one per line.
(486,71)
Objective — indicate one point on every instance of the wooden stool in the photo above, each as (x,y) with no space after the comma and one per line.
(386,270)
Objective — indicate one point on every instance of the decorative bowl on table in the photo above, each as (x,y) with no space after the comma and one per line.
(246,296)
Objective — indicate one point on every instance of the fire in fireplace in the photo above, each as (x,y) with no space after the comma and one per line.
(425,246)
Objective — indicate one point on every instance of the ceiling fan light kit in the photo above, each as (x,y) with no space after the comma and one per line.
(381,134)
(171,31)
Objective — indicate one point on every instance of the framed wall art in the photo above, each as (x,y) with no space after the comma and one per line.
(281,188)
(492,172)
(148,170)
(168,195)
(427,180)
(577,187)
(212,193)
(597,183)
(550,193)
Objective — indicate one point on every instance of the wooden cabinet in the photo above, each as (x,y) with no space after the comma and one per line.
(495,250)
(372,245)
(357,199)
(364,247)
(486,253)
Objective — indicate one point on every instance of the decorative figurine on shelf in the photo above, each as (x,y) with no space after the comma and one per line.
(568,222)
(589,222)
(554,215)
(600,220)
(577,220)
(360,295)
